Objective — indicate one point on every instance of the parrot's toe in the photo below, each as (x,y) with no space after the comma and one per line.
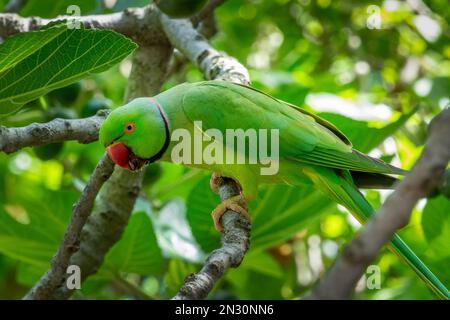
(217,179)
(236,204)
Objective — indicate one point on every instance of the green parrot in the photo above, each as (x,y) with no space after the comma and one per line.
(311,151)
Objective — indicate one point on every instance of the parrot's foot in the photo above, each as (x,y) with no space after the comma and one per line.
(217,180)
(236,204)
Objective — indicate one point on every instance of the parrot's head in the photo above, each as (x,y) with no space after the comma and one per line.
(136,133)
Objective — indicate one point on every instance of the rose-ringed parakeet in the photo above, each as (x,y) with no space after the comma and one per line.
(312,151)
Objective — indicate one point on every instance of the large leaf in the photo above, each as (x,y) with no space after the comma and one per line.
(436,226)
(200,202)
(31,232)
(177,271)
(34,239)
(17,48)
(283,211)
(137,251)
(262,262)
(69,55)
(173,232)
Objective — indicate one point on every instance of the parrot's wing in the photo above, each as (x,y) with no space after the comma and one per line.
(326,124)
(303,137)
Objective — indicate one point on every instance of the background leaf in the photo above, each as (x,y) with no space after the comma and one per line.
(39,233)
(137,251)
(66,58)
(436,225)
(177,271)
(52,8)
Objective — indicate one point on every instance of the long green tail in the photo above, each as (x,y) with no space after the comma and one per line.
(346,193)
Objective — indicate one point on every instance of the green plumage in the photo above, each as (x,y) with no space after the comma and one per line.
(312,151)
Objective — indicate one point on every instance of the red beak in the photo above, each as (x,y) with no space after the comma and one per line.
(119,153)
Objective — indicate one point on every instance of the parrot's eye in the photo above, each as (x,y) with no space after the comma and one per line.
(130,127)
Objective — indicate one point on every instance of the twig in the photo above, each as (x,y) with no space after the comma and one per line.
(207,11)
(57,130)
(394,214)
(235,239)
(54,278)
(235,243)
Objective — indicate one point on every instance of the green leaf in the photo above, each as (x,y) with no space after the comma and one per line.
(137,251)
(70,55)
(436,225)
(438,247)
(36,226)
(283,211)
(262,262)
(52,8)
(28,274)
(243,282)
(177,271)
(21,46)
(200,202)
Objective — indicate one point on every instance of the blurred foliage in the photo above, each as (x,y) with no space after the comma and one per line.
(378,73)
(37,62)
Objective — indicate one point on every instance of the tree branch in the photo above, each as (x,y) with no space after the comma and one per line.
(394,214)
(139,24)
(196,48)
(236,236)
(54,278)
(58,130)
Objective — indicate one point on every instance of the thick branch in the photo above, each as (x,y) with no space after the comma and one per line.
(395,213)
(196,48)
(57,130)
(139,24)
(235,239)
(54,278)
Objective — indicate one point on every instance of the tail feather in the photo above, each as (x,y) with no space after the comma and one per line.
(344,191)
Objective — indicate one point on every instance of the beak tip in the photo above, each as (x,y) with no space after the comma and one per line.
(118,153)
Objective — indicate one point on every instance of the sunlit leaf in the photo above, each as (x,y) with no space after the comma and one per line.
(70,55)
